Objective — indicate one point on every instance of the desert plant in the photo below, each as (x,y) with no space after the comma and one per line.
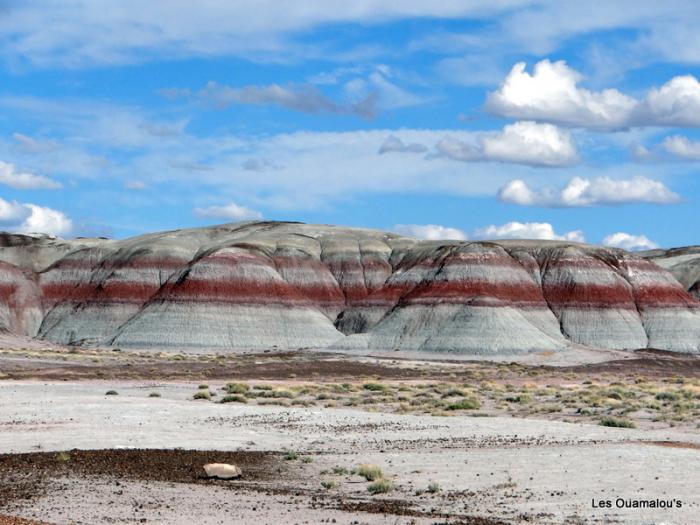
(374,387)
(370,472)
(291,456)
(329,484)
(63,457)
(235,398)
(154,394)
(202,394)
(237,388)
(111,393)
(433,488)
(465,404)
(380,486)
(202,387)
(617,422)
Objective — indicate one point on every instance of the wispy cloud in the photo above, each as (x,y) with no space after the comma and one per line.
(628,241)
(11,176)
(527,230)
(432,232)
(589,192)
(230,211)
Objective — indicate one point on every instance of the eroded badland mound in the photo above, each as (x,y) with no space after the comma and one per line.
(261,285)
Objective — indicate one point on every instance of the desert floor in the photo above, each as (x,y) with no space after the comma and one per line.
(457,442)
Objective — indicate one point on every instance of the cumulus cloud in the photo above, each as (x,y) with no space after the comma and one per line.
(394,144)
(31,218)
(527,230)
(682,147)
(135,185)
(12,177)
(431,232)
(589,192)
(304,98)
(230,211)
(551,93)
(627,241)
(525,142)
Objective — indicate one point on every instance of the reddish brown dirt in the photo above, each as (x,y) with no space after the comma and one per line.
(650,363)
(24,476)
(12,520)
(313,366)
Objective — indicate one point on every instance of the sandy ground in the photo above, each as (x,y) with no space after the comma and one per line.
(488,469)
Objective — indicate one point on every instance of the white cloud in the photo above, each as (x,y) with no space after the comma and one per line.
(682,147)
(432,232)
(551,93)
(77,34)
(676,103)
(627,241)
(230,211)
(394,144)
(589,192)
(10,176)
(259,165)
(135,185)
(527,230)
(31,218)
(305,98)
(526,142)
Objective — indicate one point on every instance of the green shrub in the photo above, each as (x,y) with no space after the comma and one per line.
(237,388)
(380,486)
(202,387)
(291,456)
(111,393)
(520,398)
(329,484)
(667,396)
(154,394)
(617,422)
(370,472)
(374,387)
(236,398)
(465,404)
(433,488)
(202,394)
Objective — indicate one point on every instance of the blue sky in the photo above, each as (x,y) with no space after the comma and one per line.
(458,119)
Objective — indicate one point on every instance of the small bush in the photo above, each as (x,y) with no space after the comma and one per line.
(202,394)
(329,484)
(111,393)
(380,486)
(617,422)
(154,394)
(307,459)
(291,456)
(236,398)
(374,387)
(237,388)
(465,404)
(340,471)
(520,398)
(433,488)
(667,396)
(370,472)
(63,457)
(202,387)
